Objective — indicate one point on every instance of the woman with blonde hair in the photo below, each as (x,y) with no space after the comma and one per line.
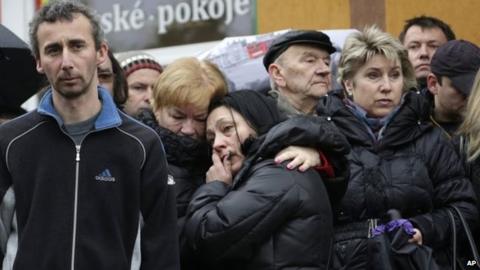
(399,161)
(180,99)
(181,96)
(469,143)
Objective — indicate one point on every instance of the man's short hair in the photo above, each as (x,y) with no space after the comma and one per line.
(63,11)
(427,22)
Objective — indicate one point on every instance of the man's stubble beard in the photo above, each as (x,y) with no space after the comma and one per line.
(71,95)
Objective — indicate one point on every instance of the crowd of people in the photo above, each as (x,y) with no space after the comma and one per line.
(128,164)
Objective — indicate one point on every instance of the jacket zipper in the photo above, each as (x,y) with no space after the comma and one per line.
(75,206)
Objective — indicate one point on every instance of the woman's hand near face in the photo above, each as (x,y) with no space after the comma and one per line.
(221,170)
(302,157)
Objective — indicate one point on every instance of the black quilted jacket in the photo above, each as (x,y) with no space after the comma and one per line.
(271,217)
(412,168)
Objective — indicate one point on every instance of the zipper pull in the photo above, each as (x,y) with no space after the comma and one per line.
(77,158)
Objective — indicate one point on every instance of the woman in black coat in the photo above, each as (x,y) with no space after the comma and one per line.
(254,213)
(398,159)
(181,96)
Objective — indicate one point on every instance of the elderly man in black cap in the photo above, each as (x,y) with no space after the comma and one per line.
(453,69)
(298,64)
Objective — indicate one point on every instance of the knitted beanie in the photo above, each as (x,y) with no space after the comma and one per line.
(135,60)
(260,111)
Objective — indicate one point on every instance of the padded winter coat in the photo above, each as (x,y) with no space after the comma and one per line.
(411,168)
(270,217)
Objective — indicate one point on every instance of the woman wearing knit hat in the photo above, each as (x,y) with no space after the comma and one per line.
(254,213)
(141,71)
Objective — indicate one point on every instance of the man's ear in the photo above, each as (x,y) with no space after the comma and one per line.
(102,53)
(38,65)
(432,83)
(275,72)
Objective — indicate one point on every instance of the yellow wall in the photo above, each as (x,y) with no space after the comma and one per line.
(275,15)
(462,15)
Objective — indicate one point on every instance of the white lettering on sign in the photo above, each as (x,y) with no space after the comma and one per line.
(199,13)
(137,17)
(124,19)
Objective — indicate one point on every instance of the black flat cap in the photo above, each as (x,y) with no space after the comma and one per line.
(459,60)
(310,37)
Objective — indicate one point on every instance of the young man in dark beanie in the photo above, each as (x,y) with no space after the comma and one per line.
(453,69)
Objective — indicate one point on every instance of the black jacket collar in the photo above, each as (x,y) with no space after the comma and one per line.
(409,123)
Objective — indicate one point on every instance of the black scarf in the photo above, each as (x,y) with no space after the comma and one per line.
(181,151)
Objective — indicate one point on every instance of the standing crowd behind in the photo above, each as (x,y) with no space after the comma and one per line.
(128,164)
